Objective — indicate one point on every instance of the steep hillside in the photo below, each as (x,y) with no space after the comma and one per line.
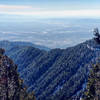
(58,74)
(24,56)
(11,86)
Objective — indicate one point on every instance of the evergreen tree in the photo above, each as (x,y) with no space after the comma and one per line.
(93,86)
(97,35)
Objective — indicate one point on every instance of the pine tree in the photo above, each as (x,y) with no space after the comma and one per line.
(97,35)
(92,92)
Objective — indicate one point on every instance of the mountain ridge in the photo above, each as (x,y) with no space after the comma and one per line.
(10,44)
(56,74)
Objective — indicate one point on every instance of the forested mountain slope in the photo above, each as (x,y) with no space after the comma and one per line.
(57,74)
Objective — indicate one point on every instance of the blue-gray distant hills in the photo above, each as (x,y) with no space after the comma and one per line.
(8,45)
(57,74)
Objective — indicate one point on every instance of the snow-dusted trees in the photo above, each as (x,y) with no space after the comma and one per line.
(97,35)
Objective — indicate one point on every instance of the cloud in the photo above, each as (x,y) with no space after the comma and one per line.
(17,9)
(40,12)
(5,7)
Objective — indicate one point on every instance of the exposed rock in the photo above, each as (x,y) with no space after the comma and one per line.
(11,86)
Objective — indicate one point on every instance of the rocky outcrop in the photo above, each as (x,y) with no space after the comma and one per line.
(11,86)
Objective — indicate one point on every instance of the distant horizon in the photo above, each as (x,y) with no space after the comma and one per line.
(51,23)
(52,33)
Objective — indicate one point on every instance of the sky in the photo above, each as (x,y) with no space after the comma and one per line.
(52,23)
(51,8)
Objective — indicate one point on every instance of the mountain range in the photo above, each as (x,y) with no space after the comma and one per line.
(8,45)
(56,74)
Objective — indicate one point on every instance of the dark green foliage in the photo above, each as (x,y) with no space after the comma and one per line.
(93,86)
(23,94)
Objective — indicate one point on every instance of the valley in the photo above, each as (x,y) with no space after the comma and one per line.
(56,74)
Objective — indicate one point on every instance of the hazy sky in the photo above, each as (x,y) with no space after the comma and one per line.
(19,21)
(51,8)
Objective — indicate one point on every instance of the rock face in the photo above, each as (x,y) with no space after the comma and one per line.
(8,79)
(10,86)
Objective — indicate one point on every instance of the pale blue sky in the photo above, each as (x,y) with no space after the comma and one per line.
(60,4)
(51,8)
